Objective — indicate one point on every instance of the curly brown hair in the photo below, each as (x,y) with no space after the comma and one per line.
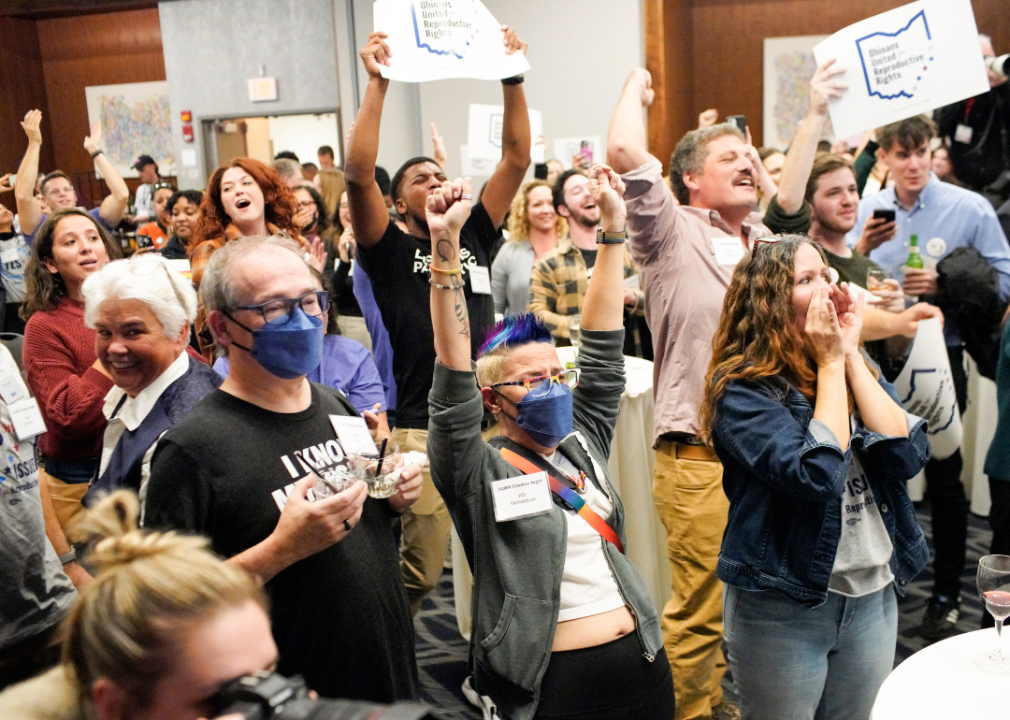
(757,335)
(519,216)
(44,290)
(278,202)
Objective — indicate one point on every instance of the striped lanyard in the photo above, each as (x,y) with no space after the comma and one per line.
(567,494)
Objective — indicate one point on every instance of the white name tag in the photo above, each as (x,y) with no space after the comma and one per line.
(728,250)
(480,279)
(27,419)
(8,256)
(353,434)
(963,134)
(520,497)
(10,390)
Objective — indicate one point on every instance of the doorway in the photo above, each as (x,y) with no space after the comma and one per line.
(263,137)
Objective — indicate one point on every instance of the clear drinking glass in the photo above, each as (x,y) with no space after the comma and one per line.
(382,475)
(332,482)
(994,588)
(875,279)
(575,330)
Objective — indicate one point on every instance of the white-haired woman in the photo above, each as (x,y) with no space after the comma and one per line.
(141,311)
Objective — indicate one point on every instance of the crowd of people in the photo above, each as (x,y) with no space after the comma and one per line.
(190,493)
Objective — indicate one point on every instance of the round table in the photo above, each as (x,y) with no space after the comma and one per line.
(631,463)
(943,682)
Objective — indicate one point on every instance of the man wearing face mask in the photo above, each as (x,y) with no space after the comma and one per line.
(253,467)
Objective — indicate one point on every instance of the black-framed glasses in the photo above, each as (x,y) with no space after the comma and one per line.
(565,377)
(765,240)
(278,312)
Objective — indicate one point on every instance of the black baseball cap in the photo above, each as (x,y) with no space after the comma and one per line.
(142,161)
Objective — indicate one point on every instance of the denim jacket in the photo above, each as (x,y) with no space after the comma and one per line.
(784,473)
(517,565)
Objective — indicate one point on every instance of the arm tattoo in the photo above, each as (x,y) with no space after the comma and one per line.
(445,250)
(459,306)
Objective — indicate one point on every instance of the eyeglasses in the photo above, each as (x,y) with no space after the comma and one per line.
(765,240)
(278,312)
(565,377)
(306,204)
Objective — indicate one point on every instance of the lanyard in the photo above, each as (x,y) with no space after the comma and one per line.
(568,495)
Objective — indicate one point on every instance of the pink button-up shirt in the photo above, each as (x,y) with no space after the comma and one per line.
(684,285)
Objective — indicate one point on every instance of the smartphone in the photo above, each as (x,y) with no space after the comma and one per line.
(540,171)
(586,150)
(144,241)
(885,215)
(740,121)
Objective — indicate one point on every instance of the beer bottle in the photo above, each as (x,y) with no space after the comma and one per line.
(914,258)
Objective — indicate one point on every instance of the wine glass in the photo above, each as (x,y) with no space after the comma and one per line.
(994,588)
(575,330)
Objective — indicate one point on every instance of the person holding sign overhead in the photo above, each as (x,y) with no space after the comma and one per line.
(396,263)
(564,626)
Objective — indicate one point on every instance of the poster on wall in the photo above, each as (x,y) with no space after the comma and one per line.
(788,66)
(441,39)
(904,62)
(135,120)
(484,130)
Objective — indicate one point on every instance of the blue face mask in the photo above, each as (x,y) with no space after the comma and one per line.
(546,414)
(290,349)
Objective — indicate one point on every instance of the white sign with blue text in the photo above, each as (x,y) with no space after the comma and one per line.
(904,62)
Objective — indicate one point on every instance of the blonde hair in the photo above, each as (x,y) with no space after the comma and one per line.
(519,216)
(331,187)
(148,588)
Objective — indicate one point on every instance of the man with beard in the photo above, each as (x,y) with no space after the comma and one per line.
(560,278)
(397,264)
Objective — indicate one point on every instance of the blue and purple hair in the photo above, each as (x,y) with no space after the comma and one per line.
(513,331)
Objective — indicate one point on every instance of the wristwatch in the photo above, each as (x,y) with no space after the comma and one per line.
(605,238)
(69,557)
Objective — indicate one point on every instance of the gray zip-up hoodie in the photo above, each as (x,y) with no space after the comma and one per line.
(517,565)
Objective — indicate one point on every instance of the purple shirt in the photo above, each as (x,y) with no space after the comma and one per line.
(346,366)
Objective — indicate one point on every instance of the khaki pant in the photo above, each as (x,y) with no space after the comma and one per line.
(426,527)
(687,489)
(68,502)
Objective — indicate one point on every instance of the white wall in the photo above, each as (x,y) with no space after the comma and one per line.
(305,134)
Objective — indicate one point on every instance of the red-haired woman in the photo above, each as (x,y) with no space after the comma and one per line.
(816,451)
(245,198)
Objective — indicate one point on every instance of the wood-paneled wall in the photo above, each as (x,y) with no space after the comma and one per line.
(77,52)
(726,38)
(22,87)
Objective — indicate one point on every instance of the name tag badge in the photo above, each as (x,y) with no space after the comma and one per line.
(27,419)
(728,250)
(353,434)
(963,134)
(520,497)
(8,256)
(936,247)
(480,279)
(10,390)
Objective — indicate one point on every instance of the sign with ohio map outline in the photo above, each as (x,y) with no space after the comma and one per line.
(904,62)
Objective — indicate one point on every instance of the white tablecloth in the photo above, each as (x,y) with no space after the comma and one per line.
(631,462)
(942,682)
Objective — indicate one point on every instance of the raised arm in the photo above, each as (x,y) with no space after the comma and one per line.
(627,141)
(447,209)
(603,308)
(369,217)
(113,207)
(800,158)
(515,142)
(29,208)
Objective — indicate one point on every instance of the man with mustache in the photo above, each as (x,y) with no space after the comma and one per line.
(560,278)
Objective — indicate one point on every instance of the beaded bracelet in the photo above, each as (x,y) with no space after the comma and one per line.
(455,271)
(444,287)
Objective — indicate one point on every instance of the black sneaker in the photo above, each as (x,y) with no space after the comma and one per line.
(940,618)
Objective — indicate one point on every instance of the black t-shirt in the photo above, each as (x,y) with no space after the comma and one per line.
(397,265)
(589,258)
(340,617)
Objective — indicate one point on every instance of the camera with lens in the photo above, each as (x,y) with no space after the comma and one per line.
(999,64)
(266,696)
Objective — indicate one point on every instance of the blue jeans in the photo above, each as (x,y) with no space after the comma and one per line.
(790,661)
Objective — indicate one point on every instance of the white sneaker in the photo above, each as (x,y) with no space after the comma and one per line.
(483,702)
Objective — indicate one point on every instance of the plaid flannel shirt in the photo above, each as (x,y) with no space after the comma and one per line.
(558,286)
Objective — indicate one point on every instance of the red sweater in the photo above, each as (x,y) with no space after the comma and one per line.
(58,354)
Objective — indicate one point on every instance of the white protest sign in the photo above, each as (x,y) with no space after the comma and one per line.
(904,62)
(926,388)
(484,132)
(475,168)
(442,39)
(589,145)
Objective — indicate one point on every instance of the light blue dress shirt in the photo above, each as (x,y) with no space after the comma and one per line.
(944,217)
